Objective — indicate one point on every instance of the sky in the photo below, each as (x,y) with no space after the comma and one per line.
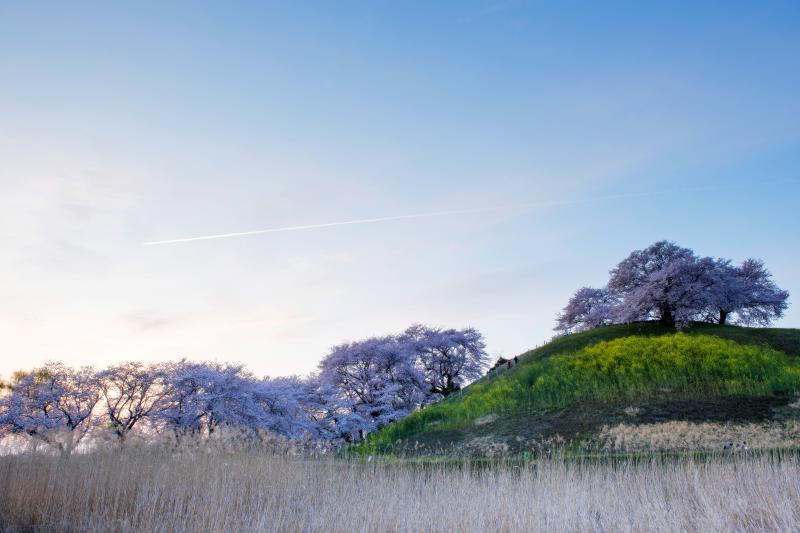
(548,139)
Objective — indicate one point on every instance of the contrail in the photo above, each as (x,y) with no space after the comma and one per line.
(329,225)
(383,219)
(523,206)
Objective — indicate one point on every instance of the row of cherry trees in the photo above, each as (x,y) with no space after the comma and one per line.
(360,387)
(671,284)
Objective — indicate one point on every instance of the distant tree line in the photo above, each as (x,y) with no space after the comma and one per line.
(672,285)
(360,387)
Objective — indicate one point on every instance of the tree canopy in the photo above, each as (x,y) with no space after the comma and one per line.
(361,386)
(671,284)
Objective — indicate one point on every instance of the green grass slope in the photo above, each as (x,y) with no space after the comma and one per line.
(587,389)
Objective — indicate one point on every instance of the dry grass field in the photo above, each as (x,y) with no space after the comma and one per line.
(153,489)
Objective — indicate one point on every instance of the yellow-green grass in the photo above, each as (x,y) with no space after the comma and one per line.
(786,340)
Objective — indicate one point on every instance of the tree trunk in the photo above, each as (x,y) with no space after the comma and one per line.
(723,316)
(666,317)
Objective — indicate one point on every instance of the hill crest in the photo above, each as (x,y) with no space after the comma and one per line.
(579,391)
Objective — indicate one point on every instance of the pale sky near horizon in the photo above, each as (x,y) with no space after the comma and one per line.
(588,130)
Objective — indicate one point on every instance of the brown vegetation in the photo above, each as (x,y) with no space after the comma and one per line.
(203,489)
(694,436)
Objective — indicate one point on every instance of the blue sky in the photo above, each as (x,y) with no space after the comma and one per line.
(126,124)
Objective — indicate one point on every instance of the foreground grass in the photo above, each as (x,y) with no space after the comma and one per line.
(622,370)
(155,490)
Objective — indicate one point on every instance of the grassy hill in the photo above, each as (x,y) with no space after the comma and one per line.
(620,388)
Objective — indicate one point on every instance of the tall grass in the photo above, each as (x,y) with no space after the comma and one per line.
(201,490)
(627,369)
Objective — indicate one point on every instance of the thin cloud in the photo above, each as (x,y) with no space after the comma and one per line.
(148,321)
(523,206)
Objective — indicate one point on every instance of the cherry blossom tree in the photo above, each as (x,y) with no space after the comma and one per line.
(375,379)
(668,283)
(132,392)
(287,406)
(53,404)
(676,294)
(588,308)
(634,270)
(361,387)
(660,282)
(449,358)
(727,291)
(744,295)
(204,396)
(763,301)
(335,416)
